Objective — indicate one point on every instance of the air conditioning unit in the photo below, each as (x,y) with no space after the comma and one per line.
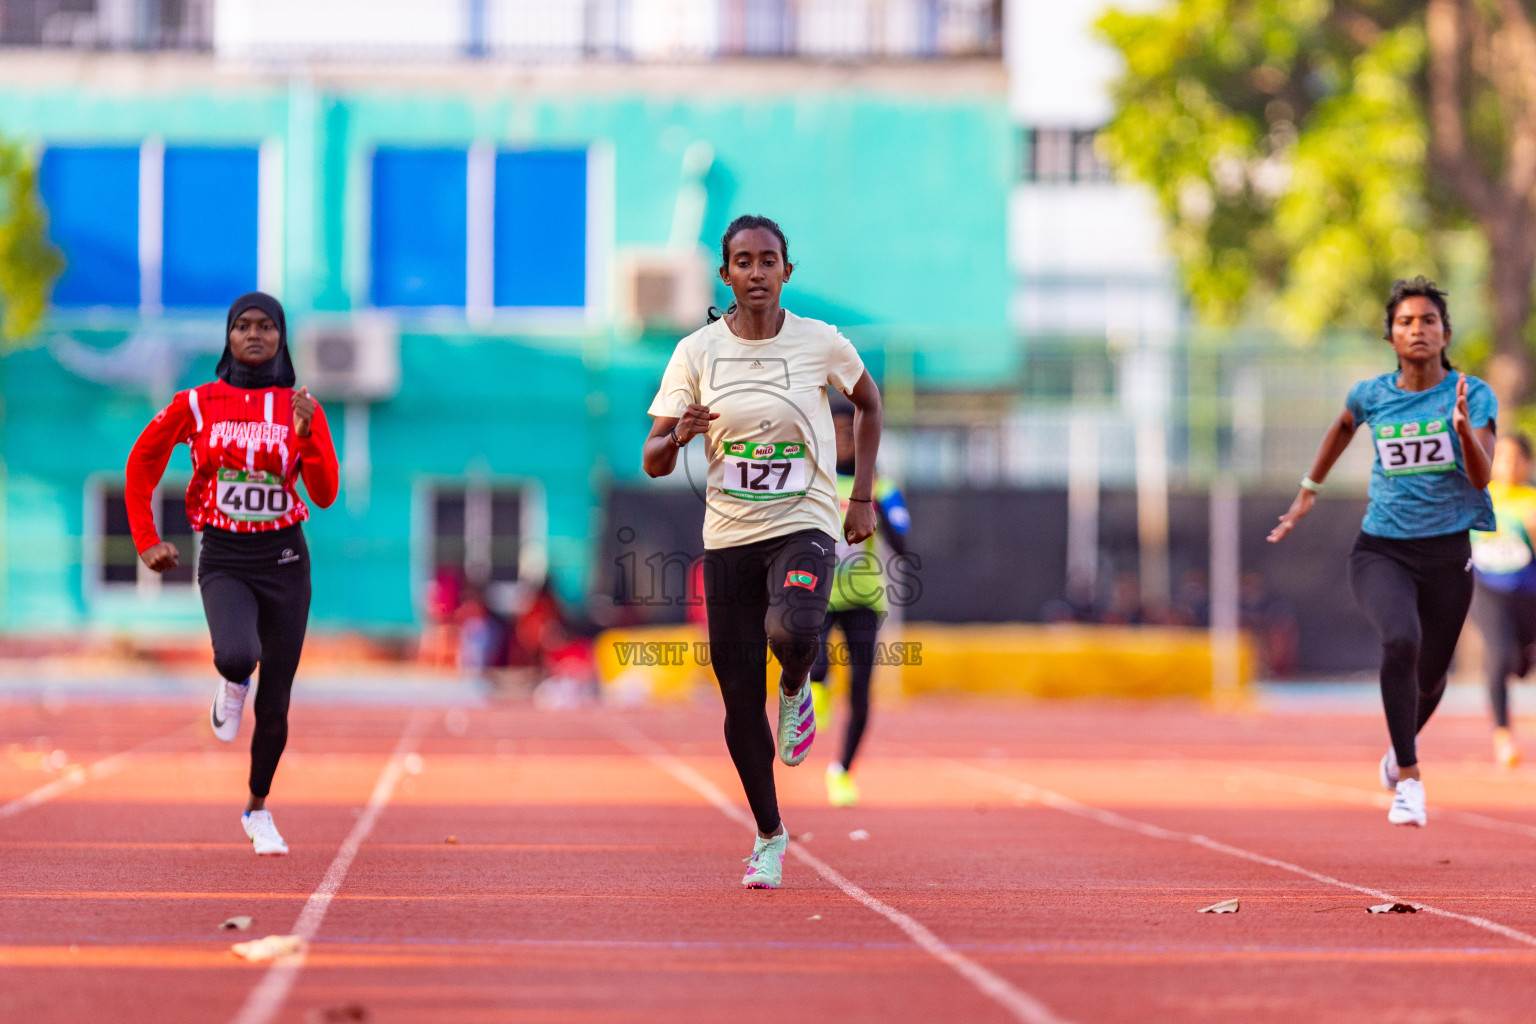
(354,359)
(663,287)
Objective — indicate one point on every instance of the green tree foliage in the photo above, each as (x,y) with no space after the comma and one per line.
(1306,152)
(29,264)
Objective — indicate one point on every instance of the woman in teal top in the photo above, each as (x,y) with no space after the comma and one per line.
(1411,567)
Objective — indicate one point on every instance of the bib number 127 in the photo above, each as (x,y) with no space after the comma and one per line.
(764,471)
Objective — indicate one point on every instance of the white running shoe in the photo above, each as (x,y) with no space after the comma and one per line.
(1408,804)
(263,833)
(1389,770)
(228,702)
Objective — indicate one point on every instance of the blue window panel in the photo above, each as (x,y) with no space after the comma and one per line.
(211,225)
(419,227)
(541,228)
(92,195)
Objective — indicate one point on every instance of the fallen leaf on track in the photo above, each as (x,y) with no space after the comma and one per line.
(270,948)
(451,840)
(1224,907)
(1393,908)
(238,923)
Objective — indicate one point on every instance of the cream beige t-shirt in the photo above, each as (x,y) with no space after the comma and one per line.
(771,456)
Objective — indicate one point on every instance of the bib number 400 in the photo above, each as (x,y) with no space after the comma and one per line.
(245,500)
(254,499)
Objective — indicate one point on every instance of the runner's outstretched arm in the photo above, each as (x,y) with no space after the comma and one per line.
(1334,442)
(660,456)
(1476,442)
(146,465)
(317,455)
(868,417)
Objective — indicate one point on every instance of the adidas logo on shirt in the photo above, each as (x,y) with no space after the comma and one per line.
(756,365)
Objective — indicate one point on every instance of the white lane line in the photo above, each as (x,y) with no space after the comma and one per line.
(1021,1005)
(267,998)
(1303,786)
(78,775)
(1027,791)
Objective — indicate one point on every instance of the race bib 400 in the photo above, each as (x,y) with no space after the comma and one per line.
(1415,448)
(254,497)
(764,471)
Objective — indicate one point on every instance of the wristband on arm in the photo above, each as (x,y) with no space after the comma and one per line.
(1308,484)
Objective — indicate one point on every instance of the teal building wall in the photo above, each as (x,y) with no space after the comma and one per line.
(894,205)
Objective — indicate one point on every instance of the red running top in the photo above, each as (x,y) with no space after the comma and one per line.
(246,461)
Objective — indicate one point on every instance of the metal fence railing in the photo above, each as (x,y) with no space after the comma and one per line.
(999,411)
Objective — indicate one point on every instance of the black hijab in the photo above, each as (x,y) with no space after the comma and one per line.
(276,372)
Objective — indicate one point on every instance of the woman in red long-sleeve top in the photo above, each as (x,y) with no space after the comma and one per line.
(252,438)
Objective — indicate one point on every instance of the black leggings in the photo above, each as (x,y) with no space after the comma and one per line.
(1508,624)
(859,628)
(1415,593)
(769,594)
(256,596)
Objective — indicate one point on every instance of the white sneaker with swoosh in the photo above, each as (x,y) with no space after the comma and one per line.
(1408,804)
(263,834)
(228,703)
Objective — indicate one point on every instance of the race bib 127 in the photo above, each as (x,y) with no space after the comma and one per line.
(764,471)
(1406,448)
(253,497)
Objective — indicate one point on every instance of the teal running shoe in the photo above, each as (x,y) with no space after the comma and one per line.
(765,868)
(797,725)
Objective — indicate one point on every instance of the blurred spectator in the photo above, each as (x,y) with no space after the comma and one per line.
(440,635)
(1080,604)
(1271,622)
(1124,607)
(1192,600)
(481,636)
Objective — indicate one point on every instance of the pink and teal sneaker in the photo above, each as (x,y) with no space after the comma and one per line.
(797,725)
(765,868)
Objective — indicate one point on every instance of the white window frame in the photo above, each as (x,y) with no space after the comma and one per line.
(533,524)
(148,585)
(480,309)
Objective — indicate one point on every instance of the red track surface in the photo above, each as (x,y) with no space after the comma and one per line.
(592,880)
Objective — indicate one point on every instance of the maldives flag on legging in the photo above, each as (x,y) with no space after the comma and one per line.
(246,461)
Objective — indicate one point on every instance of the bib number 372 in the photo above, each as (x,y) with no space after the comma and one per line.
(1406,448)
(247,497)
(764,471)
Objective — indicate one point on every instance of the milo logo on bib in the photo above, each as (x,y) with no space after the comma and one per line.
(1423,447)
(764,471)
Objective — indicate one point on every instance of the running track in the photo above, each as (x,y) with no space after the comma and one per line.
(1033,862)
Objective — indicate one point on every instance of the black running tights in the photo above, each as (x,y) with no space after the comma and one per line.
(1507,623)
(256,597)
(860,626)
(1415,593)
(771,593)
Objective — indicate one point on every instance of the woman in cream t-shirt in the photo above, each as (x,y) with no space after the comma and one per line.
(753,383)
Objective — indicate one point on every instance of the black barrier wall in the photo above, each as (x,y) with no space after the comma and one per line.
(1001,555)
